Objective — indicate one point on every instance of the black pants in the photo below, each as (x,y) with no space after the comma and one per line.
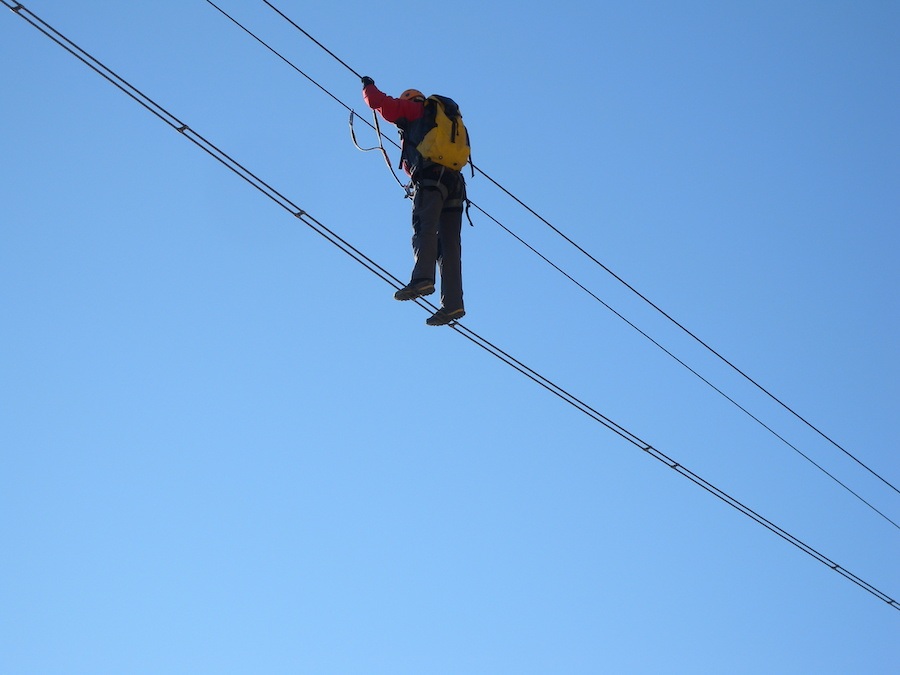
(437,228)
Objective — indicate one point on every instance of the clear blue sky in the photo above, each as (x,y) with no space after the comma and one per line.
(224,448)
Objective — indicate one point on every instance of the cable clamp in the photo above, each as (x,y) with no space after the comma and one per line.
(182,128)
(17,8)
(300,213)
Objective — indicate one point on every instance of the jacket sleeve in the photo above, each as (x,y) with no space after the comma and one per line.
(391,109)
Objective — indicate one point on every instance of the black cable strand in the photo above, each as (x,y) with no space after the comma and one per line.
(668,461)
(201,142)
(319,86)
(640,295)
(694,372)
(263,43)
(692,335)
(743,409)
(333,55)
(469,334)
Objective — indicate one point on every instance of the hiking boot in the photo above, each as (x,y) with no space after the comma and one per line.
(444,316)
(415,289)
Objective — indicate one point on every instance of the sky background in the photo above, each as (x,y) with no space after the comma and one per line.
(227,449)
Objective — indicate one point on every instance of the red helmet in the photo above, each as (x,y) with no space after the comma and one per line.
(413,95)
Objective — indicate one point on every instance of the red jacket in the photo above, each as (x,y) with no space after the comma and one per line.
(392,109)
(401,112)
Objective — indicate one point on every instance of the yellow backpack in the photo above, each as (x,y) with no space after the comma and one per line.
(447,141)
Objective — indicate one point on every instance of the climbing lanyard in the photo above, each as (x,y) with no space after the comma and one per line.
(406,188)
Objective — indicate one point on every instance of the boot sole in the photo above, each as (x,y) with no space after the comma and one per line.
(419,294)
(448,322)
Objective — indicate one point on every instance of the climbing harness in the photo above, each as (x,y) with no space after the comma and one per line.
(409,189)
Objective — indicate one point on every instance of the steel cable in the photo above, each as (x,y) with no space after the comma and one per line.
(555,266)
(270,192)
(633,290)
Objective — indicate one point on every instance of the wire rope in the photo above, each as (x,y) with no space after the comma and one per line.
(640,295)
(534,250)
(285,203)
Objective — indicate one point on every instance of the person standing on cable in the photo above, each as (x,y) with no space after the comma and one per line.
(439,193)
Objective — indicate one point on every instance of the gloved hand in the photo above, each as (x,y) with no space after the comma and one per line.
(366,81)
